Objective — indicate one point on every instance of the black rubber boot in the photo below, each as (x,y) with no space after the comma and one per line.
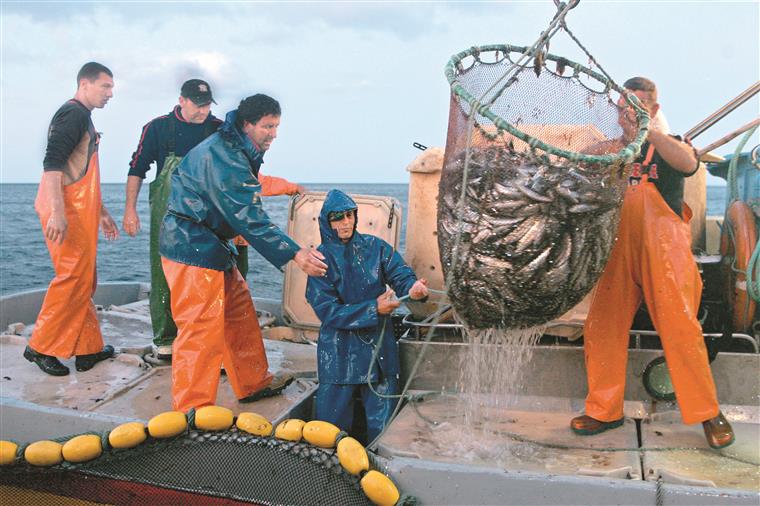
(275,388)
(87,362)
(47,363)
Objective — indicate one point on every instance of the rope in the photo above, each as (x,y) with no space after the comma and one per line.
(659,496)
(542,41)
(449,278)
(753,266)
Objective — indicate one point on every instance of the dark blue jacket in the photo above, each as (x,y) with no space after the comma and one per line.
(167,134)
(215,197)
(345,300)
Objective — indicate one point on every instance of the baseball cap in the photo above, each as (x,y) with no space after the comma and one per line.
(198,91)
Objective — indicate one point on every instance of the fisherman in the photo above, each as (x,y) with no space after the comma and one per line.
(353,304)
(215,196)
(71,210)
(651,258)
(164,141)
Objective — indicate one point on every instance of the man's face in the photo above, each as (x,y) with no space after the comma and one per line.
(193,113)
(343,223)
(627,115)
(263,132)
(97,93)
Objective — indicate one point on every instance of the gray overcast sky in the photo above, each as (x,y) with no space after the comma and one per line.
(359,82)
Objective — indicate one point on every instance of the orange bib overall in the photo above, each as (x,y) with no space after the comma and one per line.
(651,258)
(217,324)
(67,324)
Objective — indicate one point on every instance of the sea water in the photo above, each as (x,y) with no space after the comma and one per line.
(25,263)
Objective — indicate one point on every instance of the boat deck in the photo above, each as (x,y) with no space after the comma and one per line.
(531,434)
(128,387)
(524,439)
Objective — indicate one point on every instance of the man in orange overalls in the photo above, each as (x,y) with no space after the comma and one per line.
(71,211)
(652,259)
(216,196)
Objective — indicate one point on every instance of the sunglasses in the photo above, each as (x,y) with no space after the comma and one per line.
(339,215)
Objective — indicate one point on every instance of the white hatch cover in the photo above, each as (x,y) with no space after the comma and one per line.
(378,216)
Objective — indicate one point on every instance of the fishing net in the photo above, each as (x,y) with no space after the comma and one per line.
(534,172)
(230,467)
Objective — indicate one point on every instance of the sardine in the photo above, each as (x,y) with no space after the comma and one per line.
(533,195)
(582,208)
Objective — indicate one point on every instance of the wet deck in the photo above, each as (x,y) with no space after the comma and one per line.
(127,386)
(532,435)
(526,439)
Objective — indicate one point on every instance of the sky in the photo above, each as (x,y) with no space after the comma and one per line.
(359,82)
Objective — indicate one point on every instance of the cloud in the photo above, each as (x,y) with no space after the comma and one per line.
(358,81)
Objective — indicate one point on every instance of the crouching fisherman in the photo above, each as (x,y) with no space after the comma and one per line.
(353,304)
(214,197)
(71,211)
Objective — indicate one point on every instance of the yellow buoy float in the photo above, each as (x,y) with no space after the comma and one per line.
(82,448)
(167,424)
(352,456)
(8,450)
(213,418)
(379,489)
(44,453)
(322,434)
(290,430)
(255,424)
(127,435)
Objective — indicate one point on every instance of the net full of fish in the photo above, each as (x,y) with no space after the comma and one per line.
(535,233)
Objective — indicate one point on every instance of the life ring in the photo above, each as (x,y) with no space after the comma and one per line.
(737,242)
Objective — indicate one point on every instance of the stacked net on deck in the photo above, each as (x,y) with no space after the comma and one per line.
(542,150)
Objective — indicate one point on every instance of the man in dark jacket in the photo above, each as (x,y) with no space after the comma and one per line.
(354,306)
(216,196)
(164,141)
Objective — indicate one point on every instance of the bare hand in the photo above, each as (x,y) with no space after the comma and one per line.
(131,222)
(299,189)
(55,229)
(108,225)
(419,289)
(311,262)
(386,303)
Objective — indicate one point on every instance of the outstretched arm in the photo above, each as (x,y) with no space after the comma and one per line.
(271,186)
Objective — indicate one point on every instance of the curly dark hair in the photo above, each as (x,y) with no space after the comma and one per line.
(255,107)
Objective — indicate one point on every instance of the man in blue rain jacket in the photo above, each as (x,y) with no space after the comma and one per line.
(215,196)
(353,304)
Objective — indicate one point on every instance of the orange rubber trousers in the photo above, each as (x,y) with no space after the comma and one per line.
(67,323)
(216,324)
(651,258)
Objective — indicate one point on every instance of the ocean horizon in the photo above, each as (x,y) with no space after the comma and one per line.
(25,263)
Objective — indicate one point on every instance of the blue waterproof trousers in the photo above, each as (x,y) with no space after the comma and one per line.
(335,405)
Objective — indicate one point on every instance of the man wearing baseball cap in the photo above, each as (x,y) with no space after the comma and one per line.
(164,141)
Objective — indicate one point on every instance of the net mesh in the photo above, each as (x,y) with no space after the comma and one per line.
(230,465)
(534,173)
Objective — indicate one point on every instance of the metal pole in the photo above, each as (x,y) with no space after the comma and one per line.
(723,111)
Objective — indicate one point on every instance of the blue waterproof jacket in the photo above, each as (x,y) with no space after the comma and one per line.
(345,300)
(215,197)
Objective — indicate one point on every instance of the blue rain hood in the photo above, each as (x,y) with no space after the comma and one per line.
(335,201)
(345,300)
